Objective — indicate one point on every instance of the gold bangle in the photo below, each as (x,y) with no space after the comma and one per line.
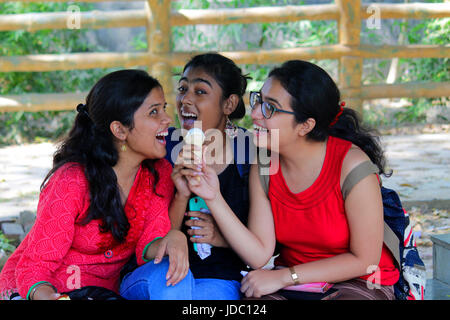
(294,276)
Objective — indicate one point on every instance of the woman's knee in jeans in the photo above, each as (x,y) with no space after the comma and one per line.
(149,282)
(137,282)
(217,289)
(147,271)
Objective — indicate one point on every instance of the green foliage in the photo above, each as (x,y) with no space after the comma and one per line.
(43,41)
(436,31)
(427,31)
(5,244)
(19,127)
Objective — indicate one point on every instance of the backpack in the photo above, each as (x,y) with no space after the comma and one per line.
(411,284)
(398,234)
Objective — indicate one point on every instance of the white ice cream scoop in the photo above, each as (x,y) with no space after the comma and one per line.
(196,137)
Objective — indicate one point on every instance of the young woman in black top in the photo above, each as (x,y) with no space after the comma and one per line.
(209,96)
(210,93)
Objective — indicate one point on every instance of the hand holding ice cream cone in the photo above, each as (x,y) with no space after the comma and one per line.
(195,137)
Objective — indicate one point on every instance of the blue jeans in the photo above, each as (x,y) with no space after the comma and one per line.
(148,282)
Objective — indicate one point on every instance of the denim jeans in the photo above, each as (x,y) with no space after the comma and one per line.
(148,282)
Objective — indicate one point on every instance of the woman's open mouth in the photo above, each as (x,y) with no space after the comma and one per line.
(187,119)
(161,136)
(257,130)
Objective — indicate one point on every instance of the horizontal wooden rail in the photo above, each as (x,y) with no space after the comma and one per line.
(33,102)
(401,51)
(407,10)
(72,61)
(58,20)
(255,15)
(401,90)
(137,18)
(68,101)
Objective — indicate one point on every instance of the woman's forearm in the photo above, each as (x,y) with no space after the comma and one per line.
(334,269)
(152,250)
(243,241)
(177,210)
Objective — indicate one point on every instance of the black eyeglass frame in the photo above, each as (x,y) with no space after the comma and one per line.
(265,105)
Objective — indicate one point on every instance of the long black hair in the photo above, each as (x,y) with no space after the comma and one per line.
(227,74)
(90,142)
(315,95)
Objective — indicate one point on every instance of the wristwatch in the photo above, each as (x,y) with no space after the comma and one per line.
(294,276)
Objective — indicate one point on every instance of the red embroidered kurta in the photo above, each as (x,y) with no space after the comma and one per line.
(312,224)
(60,250)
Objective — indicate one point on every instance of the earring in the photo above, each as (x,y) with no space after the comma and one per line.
(124,147)
(231,130)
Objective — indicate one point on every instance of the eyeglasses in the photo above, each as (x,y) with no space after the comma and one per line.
(267,108)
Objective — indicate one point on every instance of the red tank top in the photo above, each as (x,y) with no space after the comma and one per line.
(312,224)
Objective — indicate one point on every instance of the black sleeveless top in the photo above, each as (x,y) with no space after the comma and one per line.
(223,263)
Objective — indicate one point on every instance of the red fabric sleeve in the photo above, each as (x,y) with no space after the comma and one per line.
(51,236)
(157,222)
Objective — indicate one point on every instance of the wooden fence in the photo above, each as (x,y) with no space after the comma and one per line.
(158,18)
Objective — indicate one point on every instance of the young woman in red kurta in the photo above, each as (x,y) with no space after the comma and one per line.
(315,143)
(105,199)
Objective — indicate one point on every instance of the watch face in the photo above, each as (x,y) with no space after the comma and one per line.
(294,275)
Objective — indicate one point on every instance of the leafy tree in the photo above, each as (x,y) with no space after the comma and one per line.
(18,127)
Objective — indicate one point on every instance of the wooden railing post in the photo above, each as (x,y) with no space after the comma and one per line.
(350,67)
(158,39)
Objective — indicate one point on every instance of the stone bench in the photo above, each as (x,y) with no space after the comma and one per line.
(14,229)
(438,288)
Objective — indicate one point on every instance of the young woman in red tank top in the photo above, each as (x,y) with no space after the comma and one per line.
(322,238)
